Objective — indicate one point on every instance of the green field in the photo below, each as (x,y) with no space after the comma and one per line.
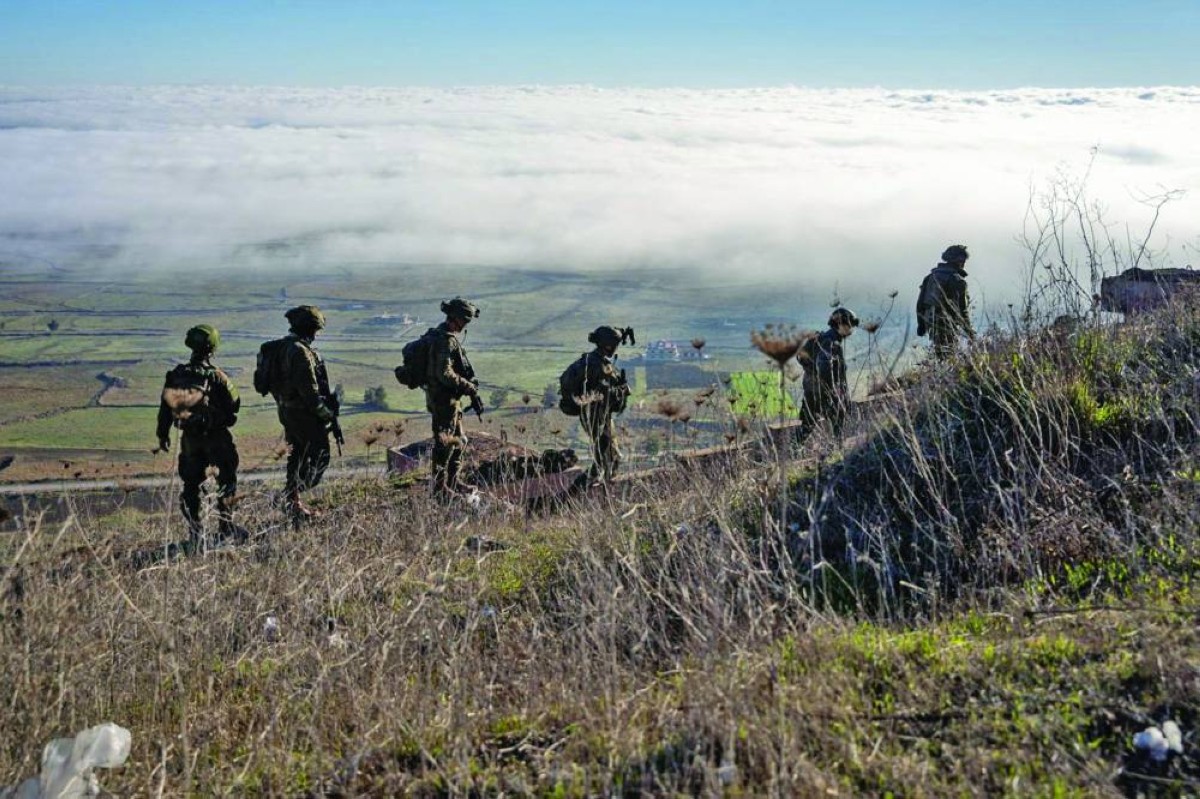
(759,394)
(64,331)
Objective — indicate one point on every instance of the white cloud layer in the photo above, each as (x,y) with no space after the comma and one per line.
(843,184)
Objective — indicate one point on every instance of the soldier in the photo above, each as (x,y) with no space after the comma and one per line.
(599,391)
(943,304)
(449,379)
(201,400)
(308,409)
(826,393)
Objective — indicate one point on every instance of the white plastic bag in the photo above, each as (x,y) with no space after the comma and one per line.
(67,764)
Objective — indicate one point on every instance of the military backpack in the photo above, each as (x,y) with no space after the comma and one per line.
(570,386)
(269,370)
(925,300)
(413,372)
(186,393)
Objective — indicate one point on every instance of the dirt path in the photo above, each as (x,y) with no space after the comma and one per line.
(141,483)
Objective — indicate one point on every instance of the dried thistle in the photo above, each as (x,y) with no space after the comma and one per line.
(280,451)
(780,344)
(525,399)
(181,401)
(369,437)
(698,343)
(589,398)
(873,326)
(668,407)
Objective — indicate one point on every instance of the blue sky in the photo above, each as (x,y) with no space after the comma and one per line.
(967,44)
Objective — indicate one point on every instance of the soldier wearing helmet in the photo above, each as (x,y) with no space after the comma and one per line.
(826,392)
(600,391)
(201,401)
(943,305)
(450,378)
(307,407)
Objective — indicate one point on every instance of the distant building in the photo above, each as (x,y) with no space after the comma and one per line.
(665,350)
(391,320)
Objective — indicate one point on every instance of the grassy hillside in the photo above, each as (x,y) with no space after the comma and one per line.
(987,594)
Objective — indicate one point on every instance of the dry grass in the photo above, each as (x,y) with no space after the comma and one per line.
(988,596)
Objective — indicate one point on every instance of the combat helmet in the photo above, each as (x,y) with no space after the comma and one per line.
(843,316)
(955,253)
(306,317)
(611,336)
(202,338)
(459,308)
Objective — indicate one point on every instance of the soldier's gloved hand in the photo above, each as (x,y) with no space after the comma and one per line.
(324,413)
(164,444)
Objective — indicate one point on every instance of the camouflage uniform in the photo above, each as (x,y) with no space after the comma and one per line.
(826,391)
(205,439)
(943,309)
(603,381)
(450,378)
(306,408)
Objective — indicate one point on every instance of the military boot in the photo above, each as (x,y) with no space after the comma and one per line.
(297,511)
(227,529)
(195,529)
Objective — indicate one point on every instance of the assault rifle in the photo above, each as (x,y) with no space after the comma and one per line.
(477,405)
(336,428)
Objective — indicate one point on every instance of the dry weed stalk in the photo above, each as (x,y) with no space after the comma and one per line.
(780,342)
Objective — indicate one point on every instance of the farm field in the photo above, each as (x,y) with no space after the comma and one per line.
(83,347)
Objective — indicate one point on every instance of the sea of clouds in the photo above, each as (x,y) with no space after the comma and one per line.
(851,186)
